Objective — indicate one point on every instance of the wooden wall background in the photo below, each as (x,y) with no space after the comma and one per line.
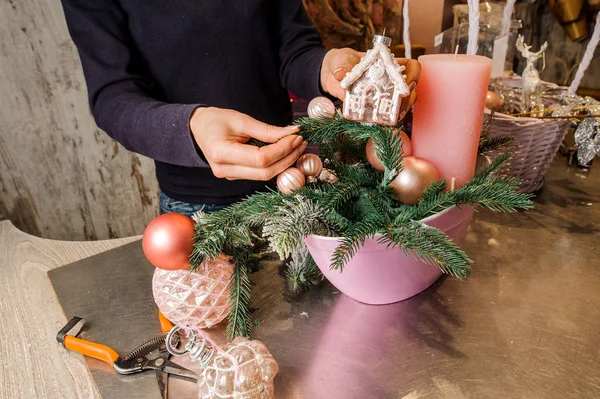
(60,176)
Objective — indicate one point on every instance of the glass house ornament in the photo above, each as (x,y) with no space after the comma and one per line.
(194,299)
(532,83)
(375,86)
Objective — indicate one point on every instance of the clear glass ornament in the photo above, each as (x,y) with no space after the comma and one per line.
(242,369)
(532,83)
(194,299)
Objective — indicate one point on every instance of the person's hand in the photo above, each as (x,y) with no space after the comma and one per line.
(338,62)
(222,135)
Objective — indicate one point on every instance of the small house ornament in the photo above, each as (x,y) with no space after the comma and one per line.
(375,86)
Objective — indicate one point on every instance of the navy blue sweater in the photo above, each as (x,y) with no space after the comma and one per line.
(149,63)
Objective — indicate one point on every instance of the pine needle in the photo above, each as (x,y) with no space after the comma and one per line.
(239,319)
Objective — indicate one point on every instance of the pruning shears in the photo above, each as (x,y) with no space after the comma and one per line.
(151,355)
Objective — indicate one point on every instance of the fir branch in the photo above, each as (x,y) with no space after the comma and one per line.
(388,147)
(482,174)
(290,223)
(488,144)
(370,223)
(429,245)
(493,143)
(239,322)
(302,272)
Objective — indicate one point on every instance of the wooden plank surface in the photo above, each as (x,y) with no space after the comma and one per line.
(34,364)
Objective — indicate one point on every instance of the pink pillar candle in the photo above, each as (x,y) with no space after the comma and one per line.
(448,113)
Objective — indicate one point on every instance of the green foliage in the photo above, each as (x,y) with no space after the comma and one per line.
(359,206)
(487,143)
(301,271)
(239,322)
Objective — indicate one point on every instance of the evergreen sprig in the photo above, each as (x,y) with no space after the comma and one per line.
(302,272)
(239,321)
(361,205)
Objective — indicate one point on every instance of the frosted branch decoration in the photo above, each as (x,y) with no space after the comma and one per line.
(587,57)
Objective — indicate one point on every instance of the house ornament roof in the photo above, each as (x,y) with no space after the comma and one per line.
(391,65)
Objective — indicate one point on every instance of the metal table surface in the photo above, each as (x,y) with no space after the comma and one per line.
(526,324)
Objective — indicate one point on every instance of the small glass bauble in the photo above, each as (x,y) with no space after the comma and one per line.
(241,369)
(290,180)
(411,182)
(194,299)
(321,107)
(310,165)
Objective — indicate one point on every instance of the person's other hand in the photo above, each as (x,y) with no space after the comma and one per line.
(338,62)
(222,135)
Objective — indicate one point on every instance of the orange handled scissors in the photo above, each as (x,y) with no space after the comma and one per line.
(151,355)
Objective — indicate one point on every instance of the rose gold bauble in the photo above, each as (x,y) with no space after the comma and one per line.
(168,240)
(310,165)
(321,107)
(372,155)
(240,369)
(411,182)
(194,300)
(493,101)
(290,179)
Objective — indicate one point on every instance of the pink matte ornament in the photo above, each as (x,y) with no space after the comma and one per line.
(194,299)
(310,165)
(167,241)
(240,369)
(290,180)
(321,107)
(411,182)
(372,154)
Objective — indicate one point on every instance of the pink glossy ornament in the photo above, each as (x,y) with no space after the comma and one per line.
(309,165)
(242,368)
(321,107)
(372,155)
(411,182)
(290,179)
(493,101)
(168,240)
(194,299)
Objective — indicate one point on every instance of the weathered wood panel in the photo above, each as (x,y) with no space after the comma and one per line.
(60,176)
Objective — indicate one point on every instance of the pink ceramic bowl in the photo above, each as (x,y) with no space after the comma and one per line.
(379,275)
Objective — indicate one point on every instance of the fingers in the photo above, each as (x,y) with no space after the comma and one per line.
(413,69)
(238,172)
(264,132)
(236,153)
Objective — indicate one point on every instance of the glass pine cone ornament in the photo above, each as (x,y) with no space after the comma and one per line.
(321,107)
(242,369)
(194,299)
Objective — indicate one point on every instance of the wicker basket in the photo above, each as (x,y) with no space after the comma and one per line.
(535,143)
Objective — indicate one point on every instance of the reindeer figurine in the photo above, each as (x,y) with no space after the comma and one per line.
(532,84)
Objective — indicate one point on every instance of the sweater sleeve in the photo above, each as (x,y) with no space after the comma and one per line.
(121,91)
(301,50)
